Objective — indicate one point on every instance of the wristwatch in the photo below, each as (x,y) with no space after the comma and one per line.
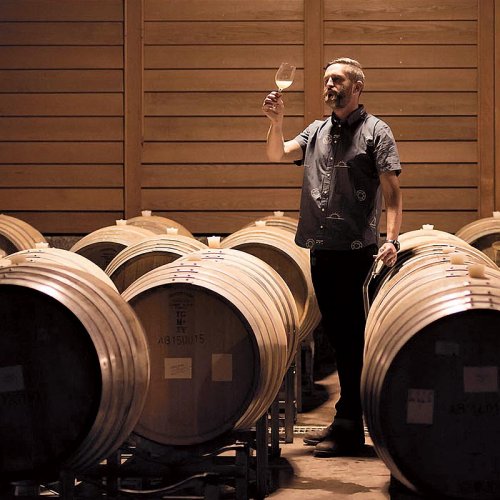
(396,244)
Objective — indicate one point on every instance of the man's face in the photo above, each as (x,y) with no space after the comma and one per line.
(338,88)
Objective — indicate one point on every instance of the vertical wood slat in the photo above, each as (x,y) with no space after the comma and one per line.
(313,60)
(133,104)
(496,62)
(486,118)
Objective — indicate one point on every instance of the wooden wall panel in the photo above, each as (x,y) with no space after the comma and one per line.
(67,104)
(82,128)
(134,113)
(421,64)
(422,10)
(61,199)
(88,176)
(94,126)
(74,33)
(266,175)
(407,103)
(54,10)
(60,57)
(407,56)
(68,223)
(222,222)
(208,66)
(496,123)
(486,95)
(216,10)
(287,199)
(401,32)
(213,103)
(61,112)
(209,56)
(252,152)
(46,81)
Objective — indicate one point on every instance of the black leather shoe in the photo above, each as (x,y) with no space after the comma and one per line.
(338,448)
(345,438)
(314,437)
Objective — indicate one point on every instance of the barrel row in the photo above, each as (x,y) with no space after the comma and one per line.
(430,382)
(216,297)
(216,329)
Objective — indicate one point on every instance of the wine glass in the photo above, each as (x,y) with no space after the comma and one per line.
(284,76)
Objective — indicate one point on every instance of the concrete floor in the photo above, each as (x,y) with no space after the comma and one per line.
(303,476)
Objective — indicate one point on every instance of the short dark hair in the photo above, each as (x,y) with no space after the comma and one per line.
(355,70)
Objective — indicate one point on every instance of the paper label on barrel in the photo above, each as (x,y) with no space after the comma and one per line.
(178,368)
(447,348)
(11,378)
(420,409)
(222,367)
(481,378)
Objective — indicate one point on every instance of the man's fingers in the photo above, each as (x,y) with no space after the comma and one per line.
(387,255)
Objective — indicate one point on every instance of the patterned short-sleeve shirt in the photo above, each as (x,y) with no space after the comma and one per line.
(341,198)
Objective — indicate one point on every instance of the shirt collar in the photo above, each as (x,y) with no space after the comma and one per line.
(354,117)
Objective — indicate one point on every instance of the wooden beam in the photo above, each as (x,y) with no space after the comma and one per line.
(497,104)
(133,99)
(486,119)
(313,60)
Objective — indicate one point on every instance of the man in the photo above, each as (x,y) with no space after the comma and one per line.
(349,160)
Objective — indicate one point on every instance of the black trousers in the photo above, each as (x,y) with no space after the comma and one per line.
(338,278)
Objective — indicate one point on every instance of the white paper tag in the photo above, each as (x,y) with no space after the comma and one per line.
(178,368)
(222,367)
(11,378)
(420,409)
(481,378)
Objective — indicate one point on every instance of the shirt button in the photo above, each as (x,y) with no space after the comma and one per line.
(321,227)
(322,209)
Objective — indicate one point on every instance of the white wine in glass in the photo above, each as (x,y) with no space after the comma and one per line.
(284,76)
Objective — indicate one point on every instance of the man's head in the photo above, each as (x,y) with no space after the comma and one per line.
(343,83)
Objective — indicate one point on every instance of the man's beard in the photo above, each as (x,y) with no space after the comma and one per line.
(336,100)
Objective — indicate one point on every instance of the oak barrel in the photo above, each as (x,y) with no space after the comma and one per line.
(74,370)
(267,278)
(217,346)
(430,377)
(277,247)
(158,224)
(137,259)
(278,219)
(104,244)
(414,246)
(484,234)
(58,256)
(427,233)
(15,234)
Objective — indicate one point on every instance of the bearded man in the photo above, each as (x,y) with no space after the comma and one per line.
(350,163)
